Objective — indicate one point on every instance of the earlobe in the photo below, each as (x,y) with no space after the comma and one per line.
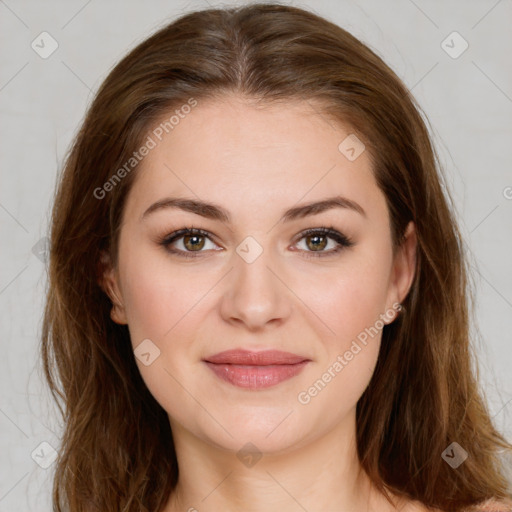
(108,281)
(117,315)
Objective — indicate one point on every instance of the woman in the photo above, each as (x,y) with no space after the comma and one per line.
(258,295)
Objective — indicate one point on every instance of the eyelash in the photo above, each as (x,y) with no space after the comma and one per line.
(342,240)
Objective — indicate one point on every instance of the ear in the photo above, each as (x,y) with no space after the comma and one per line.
(404,267)
(109,283)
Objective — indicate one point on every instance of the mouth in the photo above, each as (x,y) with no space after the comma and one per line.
(255,370)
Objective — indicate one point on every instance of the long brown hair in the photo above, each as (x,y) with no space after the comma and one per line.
(117,451)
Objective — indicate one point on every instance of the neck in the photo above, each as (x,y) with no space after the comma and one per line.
(322,475)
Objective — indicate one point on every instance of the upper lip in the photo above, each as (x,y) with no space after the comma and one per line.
(262,358)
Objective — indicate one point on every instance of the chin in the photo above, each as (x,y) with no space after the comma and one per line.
(270,430)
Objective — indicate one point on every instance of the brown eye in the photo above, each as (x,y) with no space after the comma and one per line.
(188,242)
(316,242)
(193,242)
(318,239)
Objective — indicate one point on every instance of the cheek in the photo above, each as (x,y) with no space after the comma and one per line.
(351,302)
(151,309)
(157,295)
(352,299)
(352,307)
(162,306)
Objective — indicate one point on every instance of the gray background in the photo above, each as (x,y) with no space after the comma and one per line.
(467,99)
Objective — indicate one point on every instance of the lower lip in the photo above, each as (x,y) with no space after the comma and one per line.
(256,377)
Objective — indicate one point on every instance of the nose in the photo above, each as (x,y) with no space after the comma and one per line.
(255,294)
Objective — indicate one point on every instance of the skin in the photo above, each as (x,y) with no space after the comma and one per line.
(256,163)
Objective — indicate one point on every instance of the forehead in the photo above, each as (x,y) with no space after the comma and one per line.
(233,129)
(234,152)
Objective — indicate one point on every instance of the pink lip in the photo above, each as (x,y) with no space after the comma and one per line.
(256,370)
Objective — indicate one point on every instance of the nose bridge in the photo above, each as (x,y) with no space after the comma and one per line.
(254,296)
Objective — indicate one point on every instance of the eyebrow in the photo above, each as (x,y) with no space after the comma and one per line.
(216,212)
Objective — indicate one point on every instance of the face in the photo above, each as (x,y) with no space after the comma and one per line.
(264,273)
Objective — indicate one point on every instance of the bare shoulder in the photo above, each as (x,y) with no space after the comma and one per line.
(491,505)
